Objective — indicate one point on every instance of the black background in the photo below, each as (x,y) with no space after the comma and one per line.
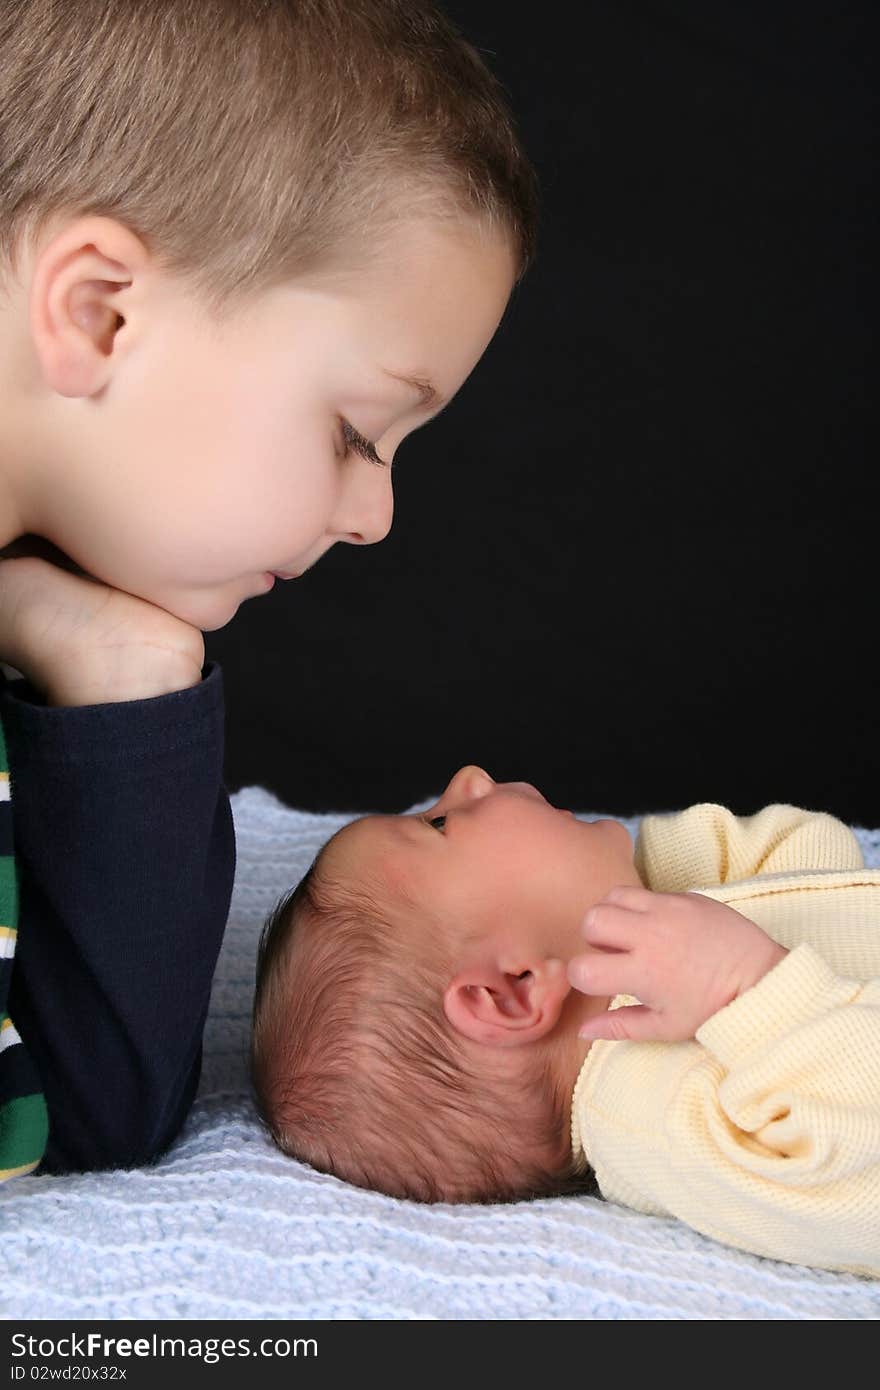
(632,562)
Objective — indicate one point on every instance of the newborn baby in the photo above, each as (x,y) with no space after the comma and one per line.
(494,1000)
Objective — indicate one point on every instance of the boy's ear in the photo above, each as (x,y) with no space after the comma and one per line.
(507,1008)
(75,316)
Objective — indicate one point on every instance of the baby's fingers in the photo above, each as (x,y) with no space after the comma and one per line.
(633,1023)
(602,972)
(610,926)
(631,896)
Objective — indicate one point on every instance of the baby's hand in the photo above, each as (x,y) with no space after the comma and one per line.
(683,955)
(80,642)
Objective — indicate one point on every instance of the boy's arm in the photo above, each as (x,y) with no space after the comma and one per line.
(125,850)
(707,845)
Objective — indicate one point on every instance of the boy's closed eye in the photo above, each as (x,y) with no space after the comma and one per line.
(355,443)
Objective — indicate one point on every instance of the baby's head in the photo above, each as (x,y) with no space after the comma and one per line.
(245,250)
(414,1028)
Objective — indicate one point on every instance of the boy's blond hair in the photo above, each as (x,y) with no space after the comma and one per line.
(357,1071)
(251,141)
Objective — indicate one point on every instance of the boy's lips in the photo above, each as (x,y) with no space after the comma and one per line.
(280,574)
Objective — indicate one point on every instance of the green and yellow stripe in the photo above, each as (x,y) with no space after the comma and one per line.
(24,1124)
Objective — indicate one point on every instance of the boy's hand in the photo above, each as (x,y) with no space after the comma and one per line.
(81,642)
(683,955)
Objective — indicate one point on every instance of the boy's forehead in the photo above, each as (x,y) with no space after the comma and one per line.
(432,304)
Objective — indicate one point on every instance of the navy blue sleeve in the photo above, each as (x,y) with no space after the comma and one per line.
(126,854)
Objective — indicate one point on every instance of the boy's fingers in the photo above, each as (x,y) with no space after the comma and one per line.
(632,1023)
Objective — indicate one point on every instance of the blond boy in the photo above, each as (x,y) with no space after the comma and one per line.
(245,250)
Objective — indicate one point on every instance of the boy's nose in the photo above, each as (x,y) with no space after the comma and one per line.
(366,509)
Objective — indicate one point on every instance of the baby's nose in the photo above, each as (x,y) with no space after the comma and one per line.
(469,783)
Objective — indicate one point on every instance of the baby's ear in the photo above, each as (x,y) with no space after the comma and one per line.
(507,1008)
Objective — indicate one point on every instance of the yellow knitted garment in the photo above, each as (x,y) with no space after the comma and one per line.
(764,1131)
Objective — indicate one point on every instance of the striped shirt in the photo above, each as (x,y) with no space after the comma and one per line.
(23,1118)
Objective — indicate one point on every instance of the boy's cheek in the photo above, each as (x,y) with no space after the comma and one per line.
(207,610)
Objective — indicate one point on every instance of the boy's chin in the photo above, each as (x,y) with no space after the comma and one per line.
(208,614)
(208,611)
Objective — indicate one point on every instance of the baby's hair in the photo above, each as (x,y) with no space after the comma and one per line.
(357,1071)
(251,141)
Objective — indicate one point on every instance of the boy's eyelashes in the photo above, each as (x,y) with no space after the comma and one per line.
(432,821)
(355,443)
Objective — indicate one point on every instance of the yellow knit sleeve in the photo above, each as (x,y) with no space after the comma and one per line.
(781,1136)
(707,845)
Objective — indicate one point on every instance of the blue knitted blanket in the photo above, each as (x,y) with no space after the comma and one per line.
(226,1227)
